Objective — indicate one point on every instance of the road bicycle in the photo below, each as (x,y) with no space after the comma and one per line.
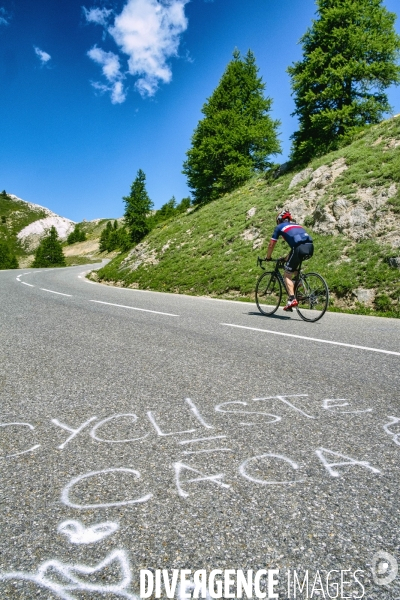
(310,290)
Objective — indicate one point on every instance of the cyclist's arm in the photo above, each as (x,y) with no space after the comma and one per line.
(271,246)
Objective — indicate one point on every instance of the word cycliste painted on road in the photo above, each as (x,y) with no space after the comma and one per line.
(184,475)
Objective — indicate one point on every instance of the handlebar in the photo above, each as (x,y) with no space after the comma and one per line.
(280,261)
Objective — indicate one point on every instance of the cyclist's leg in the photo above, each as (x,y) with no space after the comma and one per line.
(291,270)
(293,265)
(288,279)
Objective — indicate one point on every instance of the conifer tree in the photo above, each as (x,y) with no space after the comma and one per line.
(8,260)
(77,235)
(183,205)
(49,252)
(349,59)
(104,237)
(236,137)
(124,240)
(137,209)
(168,209)
(113,240)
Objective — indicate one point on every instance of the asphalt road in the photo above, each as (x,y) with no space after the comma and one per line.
(143,430)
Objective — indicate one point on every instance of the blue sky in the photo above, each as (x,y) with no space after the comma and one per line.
(91,91)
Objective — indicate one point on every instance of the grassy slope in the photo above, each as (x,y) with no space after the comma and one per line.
(204,252)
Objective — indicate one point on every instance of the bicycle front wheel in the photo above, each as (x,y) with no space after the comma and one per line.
(268,293)
(312,294)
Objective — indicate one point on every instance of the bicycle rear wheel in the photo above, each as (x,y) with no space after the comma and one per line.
(268,293)
(312,294)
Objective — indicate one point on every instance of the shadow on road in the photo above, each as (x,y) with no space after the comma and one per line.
(294,317)
(279,317)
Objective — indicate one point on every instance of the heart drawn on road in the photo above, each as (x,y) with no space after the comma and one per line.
(79,534)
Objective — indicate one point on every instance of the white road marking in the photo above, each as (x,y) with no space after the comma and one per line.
(53,292)
(302,337)
(207,451)
(24,282)
(134,308)
(84,273)
(214,437)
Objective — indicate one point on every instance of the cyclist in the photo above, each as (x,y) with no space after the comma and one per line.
(301,248)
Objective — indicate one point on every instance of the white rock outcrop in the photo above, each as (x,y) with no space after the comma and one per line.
(31,235)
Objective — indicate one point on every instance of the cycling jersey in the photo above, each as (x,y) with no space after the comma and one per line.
(293,234)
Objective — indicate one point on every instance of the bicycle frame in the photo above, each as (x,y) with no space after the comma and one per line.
(278,265)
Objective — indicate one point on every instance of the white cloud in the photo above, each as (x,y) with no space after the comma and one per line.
(117,94)
(3,16)
(112,72)
(116,91)
(109,62)
(97,15)
(148,33)
(44,57)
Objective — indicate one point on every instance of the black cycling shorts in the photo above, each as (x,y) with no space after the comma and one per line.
(297,255)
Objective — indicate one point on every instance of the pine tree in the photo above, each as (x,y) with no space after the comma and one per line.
(236,136)
(137,208)
(168,209)
(49,252)
(183,205)
(124,240)
(77,235)
(104,237)
(114,238)
(8,260)
(350,55)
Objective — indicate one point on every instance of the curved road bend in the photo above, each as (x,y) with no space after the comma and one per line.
(199,433)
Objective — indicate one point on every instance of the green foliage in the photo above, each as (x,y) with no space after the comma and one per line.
(114,238)
(382,302)
(104,237)
(236,137)
(169,210)
(183,205)
(77,235)
(350,58)
(49,252)
(137,208)
(8,260)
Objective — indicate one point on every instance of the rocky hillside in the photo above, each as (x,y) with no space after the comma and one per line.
(23,224)
(349,200)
